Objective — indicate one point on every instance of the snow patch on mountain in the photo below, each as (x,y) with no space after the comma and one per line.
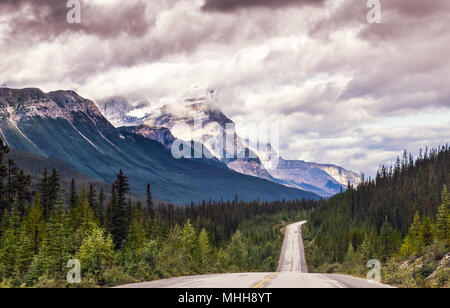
(164,123)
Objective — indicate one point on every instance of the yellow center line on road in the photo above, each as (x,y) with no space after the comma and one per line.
(261,284)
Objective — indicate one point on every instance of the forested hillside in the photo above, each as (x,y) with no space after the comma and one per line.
(401,218)
(119,241)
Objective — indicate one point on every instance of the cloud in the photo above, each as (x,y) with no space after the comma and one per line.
(46,19)
(232,5)
(340,88)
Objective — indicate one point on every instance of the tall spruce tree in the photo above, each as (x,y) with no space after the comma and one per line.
(120,210)
(4,202)
(49,187)
(95,204)
(73,194)
(443,218)
(101,205)
(150,206)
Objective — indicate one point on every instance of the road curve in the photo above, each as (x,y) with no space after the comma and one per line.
(292,272)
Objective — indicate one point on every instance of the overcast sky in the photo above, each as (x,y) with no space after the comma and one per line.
(344,91)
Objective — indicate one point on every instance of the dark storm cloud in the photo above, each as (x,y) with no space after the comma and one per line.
(231,5)
(47,19)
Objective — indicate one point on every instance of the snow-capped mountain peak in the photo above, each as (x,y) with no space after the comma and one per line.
(197,104)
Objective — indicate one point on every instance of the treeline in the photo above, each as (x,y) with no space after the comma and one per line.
(119,241)
(401,214)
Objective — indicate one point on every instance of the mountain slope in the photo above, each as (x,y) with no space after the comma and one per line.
(307,176)
(324,180)
(34,165)
(66,127)
(214,124)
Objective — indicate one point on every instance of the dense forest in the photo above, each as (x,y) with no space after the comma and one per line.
(119,241)
(401,217)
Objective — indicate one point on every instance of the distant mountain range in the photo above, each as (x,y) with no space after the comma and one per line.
(65,127)
(162,122)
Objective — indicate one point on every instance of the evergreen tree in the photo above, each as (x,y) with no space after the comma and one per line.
(386,240)
(136,234)
(4,202)
(109,215)
(443,218)
(34,224)
(189,240)
(350,253)
(73,195)
(96,253)
(85,218)
(366,250)
(19,187)
(95,204)
(204,250)
(237,251)
(120,210)
(427,231)
(43,186)
(150,206)
(57,246)
(101,206)
(53,190)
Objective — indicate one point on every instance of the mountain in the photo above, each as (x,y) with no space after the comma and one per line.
(307,176)
(322,179)
(116,110)
(63,126)
(199,108)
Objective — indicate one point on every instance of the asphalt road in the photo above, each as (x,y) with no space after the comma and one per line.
(292,272)
(292,257)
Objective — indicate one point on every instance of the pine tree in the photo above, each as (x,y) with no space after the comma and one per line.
(54,187)
(237,250)
(150,206)
(12,171)
(73,194)
(365,251)
(34,224)
(96,253)
(350,253)
(4,204)
(43,187)
(189,244)
(101,205)
(427,231)
(386,240)
(9,244)
(204,251)
(443,218)
(109,215)
(21,189)
(56,248)
(136,234)
(120,210)
(84,214)
(95,204)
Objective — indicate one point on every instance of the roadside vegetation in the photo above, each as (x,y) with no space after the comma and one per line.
(401,218)
(118,241)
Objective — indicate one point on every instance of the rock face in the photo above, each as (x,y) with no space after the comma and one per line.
(65,127)
(159,134)
(325,180)
(116,110)
(308,176)
(214,123)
